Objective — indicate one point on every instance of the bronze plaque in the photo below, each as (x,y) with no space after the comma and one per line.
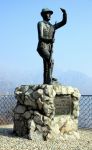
(62,104)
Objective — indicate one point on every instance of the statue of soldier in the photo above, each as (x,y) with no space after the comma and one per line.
(46,32)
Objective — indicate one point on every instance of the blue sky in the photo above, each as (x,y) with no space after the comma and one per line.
(18,36)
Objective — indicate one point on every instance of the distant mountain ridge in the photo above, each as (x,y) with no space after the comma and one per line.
(78,80)
(6,87)
(69,78)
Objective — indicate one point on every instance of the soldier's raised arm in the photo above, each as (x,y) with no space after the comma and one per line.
(63,22)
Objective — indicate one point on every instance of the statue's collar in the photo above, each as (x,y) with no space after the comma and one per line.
(46,22)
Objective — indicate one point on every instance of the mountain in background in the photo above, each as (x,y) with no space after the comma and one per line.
(6,87)
(70,78)
(78,80)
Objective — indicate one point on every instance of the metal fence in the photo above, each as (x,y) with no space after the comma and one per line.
(85,116)
(8,102)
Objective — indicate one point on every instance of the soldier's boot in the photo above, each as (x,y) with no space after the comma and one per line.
(45,74)
(49,81)
(52,66)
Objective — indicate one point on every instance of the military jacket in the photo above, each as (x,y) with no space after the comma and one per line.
(45,31)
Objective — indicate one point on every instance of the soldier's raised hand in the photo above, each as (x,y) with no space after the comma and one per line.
(63,10)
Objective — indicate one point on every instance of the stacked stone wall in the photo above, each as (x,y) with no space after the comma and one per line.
(37,103)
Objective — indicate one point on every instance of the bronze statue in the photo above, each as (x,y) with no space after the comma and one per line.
(46,32)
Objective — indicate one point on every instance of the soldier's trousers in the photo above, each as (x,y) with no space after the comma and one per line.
(48,69)
(48,66)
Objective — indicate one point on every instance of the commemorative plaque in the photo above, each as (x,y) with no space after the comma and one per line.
(63,105)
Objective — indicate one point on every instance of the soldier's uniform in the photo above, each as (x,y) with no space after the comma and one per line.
(46,31)
(45,35)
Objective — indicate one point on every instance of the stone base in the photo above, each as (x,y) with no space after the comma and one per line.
(37,103)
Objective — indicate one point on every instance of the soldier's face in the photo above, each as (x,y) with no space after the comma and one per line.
(47,16)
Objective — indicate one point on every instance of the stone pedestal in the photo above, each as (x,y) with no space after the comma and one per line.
(53,108)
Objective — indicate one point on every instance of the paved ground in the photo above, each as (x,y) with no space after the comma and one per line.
(9,142)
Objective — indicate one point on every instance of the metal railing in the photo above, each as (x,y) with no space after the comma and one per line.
(8,102)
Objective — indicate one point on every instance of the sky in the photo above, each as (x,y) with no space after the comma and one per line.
(19,37)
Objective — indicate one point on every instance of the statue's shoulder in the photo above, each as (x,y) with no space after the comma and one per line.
(40,22)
